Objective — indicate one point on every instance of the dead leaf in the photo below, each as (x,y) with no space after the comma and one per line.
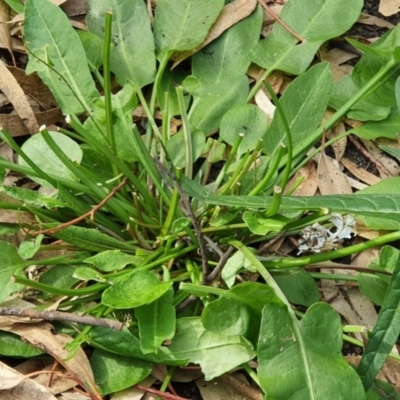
(41,336)
(367,19)
(20,387)
(10,87)
(5,36)
(389,7)
(331,180)
(359,172)
(309,183)
(231,14)
(75,7)
(265,104)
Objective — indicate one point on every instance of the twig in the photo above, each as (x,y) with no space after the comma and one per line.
(62,316)
(280,22)
(164,172)
(166,396)
(186,303)
(222,261)
(83,216)
(349,267)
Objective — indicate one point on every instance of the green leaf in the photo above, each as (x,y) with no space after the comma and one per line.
(298,287)
(226,57)
(112,260)
(91,239)
(177,150)
(212,101)
(233,265)
(27,249)
(59,276)
(32,197)
(261,226)
(50,36)
(315,21)
(125,343)
(246,119)
(156,322)
(183,24)
(93,47)
(88,274)
(113,372)
(11,263)
(305,362)
(16,5)
(40,153)
(382,391)
(132,56)
(304,103)
(385,333)
(140,288)
(373,205)
(12,346)
(209,349)
(388,128)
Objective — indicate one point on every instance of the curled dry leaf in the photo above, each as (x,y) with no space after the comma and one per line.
(230,15)
(10,87)
(389,7)
(331,180)
(359,172)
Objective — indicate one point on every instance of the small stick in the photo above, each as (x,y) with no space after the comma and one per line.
(62,316)
(280,22)
(222,261)
(83,216)
(164,395)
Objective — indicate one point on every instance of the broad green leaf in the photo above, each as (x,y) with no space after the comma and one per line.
(50,36)
(304,103)
(373,205)
(389,186)
(11,263)
(156,322)
(261,226)
(388,128)
(40,153)
(96,163)
(298,287)
(16,5)
(32,197)
(88,274)
(212,101)
(382,390)
(12,346)
(183,24)
(385,332)
(394,151)
(125,343)
(209,349)
(305,362)
(93,47)
(246,119)
(226,57)
(27,249)
(232,267)
(112,260)
(59,276)
(113,372)
(315,21)
(177,149)
(132,56)
(139,288)
(91,239)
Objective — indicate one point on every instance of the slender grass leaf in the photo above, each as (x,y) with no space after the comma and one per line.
(246,119)
(315,21)
(113,372)
(226,56)
(385,333)
(125,343)
(208,349)
(304,103)
(140,288)
(373,205)
(11,263)
(132,56)
(91,239)
(156,322)
(40,153)
(50,36)
(183,24)
(305,362)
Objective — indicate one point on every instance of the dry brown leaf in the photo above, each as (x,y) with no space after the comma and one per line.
(10,87)
(337,59)
(265,104)
(359,172)
(339,147)
(309,184)
(75,7)
(5,36)
(41,336)
(367,19)
(331,180)
(25,389)
(389,7)
(231,14)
